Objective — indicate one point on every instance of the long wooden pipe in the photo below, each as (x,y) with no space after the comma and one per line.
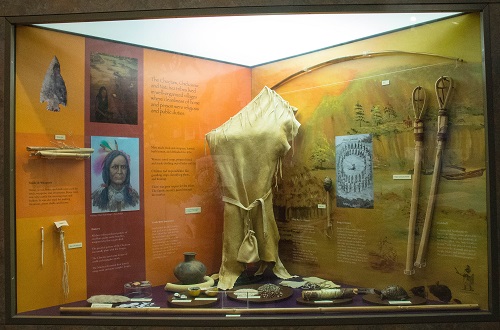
(284,310)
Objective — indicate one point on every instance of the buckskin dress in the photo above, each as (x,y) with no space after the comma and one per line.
(247,151)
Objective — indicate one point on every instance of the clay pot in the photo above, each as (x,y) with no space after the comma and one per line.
(190,271)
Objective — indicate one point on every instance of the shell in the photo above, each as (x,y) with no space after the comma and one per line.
(393,292)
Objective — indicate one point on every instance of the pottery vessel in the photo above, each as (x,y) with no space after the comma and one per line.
(194,291)
(190,271)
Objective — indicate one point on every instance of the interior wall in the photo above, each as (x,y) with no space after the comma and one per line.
(11,10)
(373,240)
(180,99)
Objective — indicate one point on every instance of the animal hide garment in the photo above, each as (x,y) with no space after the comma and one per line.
(247,151)
(53,87)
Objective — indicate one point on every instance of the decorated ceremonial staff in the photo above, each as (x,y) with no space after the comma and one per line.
(443,87)
(419,102)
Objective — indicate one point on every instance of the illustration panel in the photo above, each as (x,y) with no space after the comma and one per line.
(113,89)
(115,174)
(354,171)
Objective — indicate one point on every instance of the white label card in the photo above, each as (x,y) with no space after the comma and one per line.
(244,296)
(141,299)
(192,210)
(96,305)
(399,302)
(401,177)
(75,245)
(61,223)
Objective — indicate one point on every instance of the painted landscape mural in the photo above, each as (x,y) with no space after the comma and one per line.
(367,247)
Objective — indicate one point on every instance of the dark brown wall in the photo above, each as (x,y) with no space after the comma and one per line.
(20,11)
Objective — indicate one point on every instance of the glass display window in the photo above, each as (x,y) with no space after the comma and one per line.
(349,181)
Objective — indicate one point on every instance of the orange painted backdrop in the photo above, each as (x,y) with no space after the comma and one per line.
(216,91)
(367,247)
(200,95)
(48,190)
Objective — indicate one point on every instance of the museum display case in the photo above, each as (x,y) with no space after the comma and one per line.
(344,184)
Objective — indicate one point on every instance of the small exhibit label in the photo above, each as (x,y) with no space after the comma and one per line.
(205,299)
(399,302)
(60,137)
(192,210)
(233,315)
(181,300)
(385,82)
(141,299)
(244,296)
(98,305)
(321,206)
(401,177)
(75,245)
(61,223)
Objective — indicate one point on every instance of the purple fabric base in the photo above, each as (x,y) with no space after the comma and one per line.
(160,299)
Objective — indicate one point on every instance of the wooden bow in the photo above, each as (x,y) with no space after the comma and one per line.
(356,57)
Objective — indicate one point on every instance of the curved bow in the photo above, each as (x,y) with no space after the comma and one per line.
(356,57)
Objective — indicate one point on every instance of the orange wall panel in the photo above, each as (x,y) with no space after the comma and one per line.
(184,98)
(48,190)
(35,49)
(40,286)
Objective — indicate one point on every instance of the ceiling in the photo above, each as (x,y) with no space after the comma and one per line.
(249,40)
